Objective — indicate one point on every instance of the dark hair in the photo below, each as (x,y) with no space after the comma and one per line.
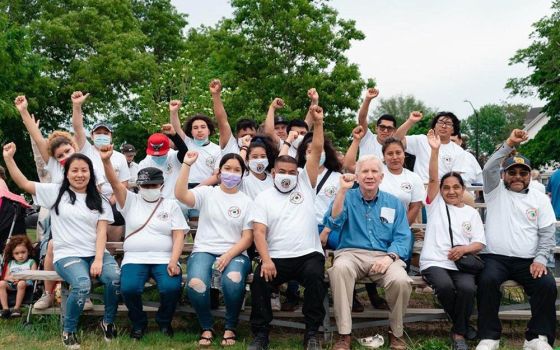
(452,174)
(389,141)
(285,159)
(187,127)
(297,122)
(388,117)
(235,156)
(13,242)
(331,159)
(453,117)
(245,123)
(3,173)
(269,147)
(93,197)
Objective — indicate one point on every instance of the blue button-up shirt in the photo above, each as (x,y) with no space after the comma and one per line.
(380,224)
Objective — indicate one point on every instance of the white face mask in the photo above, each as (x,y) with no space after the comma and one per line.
(101,140)
(297,141)
(285,182)
(150,194)
(258,165)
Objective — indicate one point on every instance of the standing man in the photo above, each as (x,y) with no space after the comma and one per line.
(553,190)
(129,153)
(520,226)
(375,239)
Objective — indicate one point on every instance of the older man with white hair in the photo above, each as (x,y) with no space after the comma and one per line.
(374,240)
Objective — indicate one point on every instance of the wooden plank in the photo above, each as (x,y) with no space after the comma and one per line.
(38,275)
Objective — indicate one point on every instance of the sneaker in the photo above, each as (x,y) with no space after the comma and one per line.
(70,341)
(488,344)
(5,314)
(260,342)
(88,305)
(275,302)
(137,334)
(374,342)
(109,331)
(311,341)
(460,344)
(16,313)
(45,301)
(540,343)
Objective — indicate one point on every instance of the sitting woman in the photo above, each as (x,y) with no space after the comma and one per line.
(79,219)
(448,215)
(259,153)
(153,242)
(224,233)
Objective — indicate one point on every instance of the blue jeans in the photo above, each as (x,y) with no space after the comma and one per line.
(199,274)
(75,272)
(133,279)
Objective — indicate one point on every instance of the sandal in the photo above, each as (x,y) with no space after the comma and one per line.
(208,339)
(231,340)
(372,342)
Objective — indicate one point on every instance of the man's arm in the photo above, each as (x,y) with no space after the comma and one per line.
(349,161)
(312,164)
(174,106)
(314,97)
(277,103)
(78,99)
(401,132)
(546,244)
(371,93)
(220,112)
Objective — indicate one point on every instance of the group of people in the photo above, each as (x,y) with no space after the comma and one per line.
(280,193)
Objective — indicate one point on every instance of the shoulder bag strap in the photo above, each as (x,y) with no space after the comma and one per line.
(323,180)
(141,227)
(449,225)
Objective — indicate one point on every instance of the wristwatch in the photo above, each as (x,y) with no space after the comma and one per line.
(393,256)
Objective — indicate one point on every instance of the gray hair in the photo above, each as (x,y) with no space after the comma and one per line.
(367,158)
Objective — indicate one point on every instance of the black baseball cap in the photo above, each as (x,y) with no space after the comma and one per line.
(102,125)
(128,148)
(280,120)
(149,176)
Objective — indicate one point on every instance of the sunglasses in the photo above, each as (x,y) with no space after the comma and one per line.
(514,172)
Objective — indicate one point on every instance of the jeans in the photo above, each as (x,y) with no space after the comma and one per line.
(199,274)
(133,278)
(75,272)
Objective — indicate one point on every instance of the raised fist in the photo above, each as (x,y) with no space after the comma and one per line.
(215,87)
(78,98)
(517,136)
(292,136)
(9,150)
(190,157)
(317,113)
(347,181)
(105,152)
(277,103)
(313,95)
(372,93)
(167,129)
(174,105)
(415,116)
(358,133)
(21,103)
(246,140)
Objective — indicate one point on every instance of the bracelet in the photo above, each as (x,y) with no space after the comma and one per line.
(287,143)
(244,148)
(187,164)
(392,256)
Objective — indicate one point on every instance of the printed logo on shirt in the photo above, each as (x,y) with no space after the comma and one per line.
(406,187)
(169,168)
(163,216)
(330,191)
(210,161)
(296,197)
(532,214)
(447,159)
(234,212)
(467,228)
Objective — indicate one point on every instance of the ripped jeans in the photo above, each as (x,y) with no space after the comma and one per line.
(199,274)
(75,272)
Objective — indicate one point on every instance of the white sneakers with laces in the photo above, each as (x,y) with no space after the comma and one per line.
(488,344)
(539,343)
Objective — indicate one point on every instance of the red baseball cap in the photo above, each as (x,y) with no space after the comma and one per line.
(158,145)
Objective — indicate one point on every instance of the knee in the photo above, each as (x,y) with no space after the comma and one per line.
(197,285)
(170,286)
(234,277)
(468,289)
(3,285)
(402,283)
(82,286)
(21,285)
(487,281)
(341,269)
(129,288)
(545,285)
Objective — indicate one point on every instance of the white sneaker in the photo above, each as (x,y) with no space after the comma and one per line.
(88,305)
(374,342)
(488,344)
(45,301)
(540,343)
(275,302)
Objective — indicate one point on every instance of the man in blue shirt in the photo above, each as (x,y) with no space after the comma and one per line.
(374,240)
(553,189)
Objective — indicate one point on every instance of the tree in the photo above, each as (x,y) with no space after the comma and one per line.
(543,149)
(400,107)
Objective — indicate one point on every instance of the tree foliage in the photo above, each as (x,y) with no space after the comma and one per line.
(543,149)
(400,106)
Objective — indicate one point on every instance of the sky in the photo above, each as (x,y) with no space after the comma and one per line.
(442,52)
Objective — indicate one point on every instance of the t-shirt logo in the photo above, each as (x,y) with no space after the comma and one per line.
(210,161)
(532,214)
(330,191)
(447,159)
(169,168)
(163,216)
(467,228)
(296,197)
(234,212)
(406,187)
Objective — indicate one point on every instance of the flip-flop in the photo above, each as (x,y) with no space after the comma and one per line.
(233,337)
(209,339)
(372,342)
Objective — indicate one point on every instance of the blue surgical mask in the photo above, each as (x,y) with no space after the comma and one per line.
(160,160)
(200,143)
(321,159)
(101,140)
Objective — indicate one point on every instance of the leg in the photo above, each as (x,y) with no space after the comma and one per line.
(312,275)
(199,271)
(233,287)
(4,295)
(21,287)
(169,288)
(111,279)
(75,271)
(442,283)
(133,278)
(489,296)
(465,289)
(49,266)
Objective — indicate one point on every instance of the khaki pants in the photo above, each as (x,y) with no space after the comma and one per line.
(352,264)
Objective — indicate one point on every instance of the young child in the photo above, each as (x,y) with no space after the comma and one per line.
(17,253)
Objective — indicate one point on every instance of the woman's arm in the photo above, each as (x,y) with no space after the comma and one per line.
(412,212)
(16,174)
(32,128)
(101,240)
(178,242)
(182,192)
(269,121)
(433,172)
(220,112)
(119,189)
(78,99)
(457,252)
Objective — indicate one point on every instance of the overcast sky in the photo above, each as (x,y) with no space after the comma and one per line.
(440,51)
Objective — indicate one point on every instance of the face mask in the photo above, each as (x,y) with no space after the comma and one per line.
(200,143)
(150,194)
(101,140)
(63,161)
(297,141)
(230,180)
(258,165)
(159,160)
(285,182)
(321,160)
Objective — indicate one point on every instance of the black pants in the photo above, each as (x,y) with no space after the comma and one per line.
(541,291)
(455,291)
(308,270)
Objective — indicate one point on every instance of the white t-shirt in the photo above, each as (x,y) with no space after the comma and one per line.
(290,219)
(170,169)
(133,168)
(535,184)
(450,156)
(513,220)
(252,186)
(223,217)
(74,229)
(466,225)
(370,145)
(326,194)
(209,157)
(292,151)
(470,170)
(57,172)
(118,160)
(231,147)
(406,186)
(154,243)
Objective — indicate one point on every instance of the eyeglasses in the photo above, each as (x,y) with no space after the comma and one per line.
(385,128)
(446,124)
(522,173)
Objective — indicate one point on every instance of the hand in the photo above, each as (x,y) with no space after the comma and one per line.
(268,270)
(538,270)
(21,103)
(190,157)
(96,268)
(358,133)
(9,150)
(215,87)
(371,93)
(381,265)
(313,95)
(316,113)
(173,269)
(433,139)
(292,136)
(105,152)
(246,140)
(277,103)
(347,181)
(78,98)
(324,236)
(223,261)
(415,116)
(517,136)
(174,106)
(456,252)
(168,130)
